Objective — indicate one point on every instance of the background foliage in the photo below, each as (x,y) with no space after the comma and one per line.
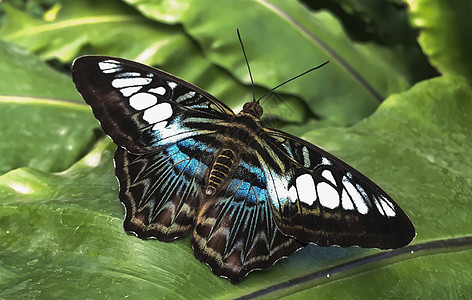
(395,102)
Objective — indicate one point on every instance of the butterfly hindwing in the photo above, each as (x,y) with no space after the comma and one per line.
(315,197)
(235,233)
(160,190)
(142,108)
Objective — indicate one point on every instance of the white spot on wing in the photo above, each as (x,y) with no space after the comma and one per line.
(292,194)
(278,187)
(281,187)
(306,189)
(306,157)
(109,66)
(128,74)
(346,201)
(328,176)
(160,90)
(172,84)
(159,126)
(379,206)
(363,193)
(186,96)
(289,151)
(142,101)
(325,161)
(387,206)
(359,202)
(158,113)
(356,197)
(328,195)
(128,82)
(130,90)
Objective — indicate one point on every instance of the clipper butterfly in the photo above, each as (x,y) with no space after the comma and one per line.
(249,195)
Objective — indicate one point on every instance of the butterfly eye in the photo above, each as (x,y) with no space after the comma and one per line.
(247,106)
(259,110)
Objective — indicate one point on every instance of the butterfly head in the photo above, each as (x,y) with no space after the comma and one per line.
(253,108)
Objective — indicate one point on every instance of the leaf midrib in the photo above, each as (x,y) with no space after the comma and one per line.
(413,251)
(46,101)
(335,56)
(71,23)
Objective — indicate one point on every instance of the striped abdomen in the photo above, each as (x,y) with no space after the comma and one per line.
(219,171)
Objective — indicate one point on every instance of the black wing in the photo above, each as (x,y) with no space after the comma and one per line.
(167,131)
(142,108)
(315,197)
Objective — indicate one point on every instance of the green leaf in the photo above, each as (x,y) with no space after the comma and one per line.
(44,133)
(48,134)
(365,73)
(385,21)
(61,232)
(436,274)
(283,39)
(445,34)
(128,34)
(22,74)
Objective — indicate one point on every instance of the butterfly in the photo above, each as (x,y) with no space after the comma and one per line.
(250,195)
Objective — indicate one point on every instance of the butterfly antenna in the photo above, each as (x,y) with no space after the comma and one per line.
(293,78)
(247,63)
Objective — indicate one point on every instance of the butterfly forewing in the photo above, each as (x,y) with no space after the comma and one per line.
(142,108)
(341,206)
(253,195)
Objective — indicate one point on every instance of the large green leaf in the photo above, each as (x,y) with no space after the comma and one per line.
(61,233)
(48,134)
(283,38)
(445,33)
(118,30)
(385,23)
(25,75)
(358,78)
